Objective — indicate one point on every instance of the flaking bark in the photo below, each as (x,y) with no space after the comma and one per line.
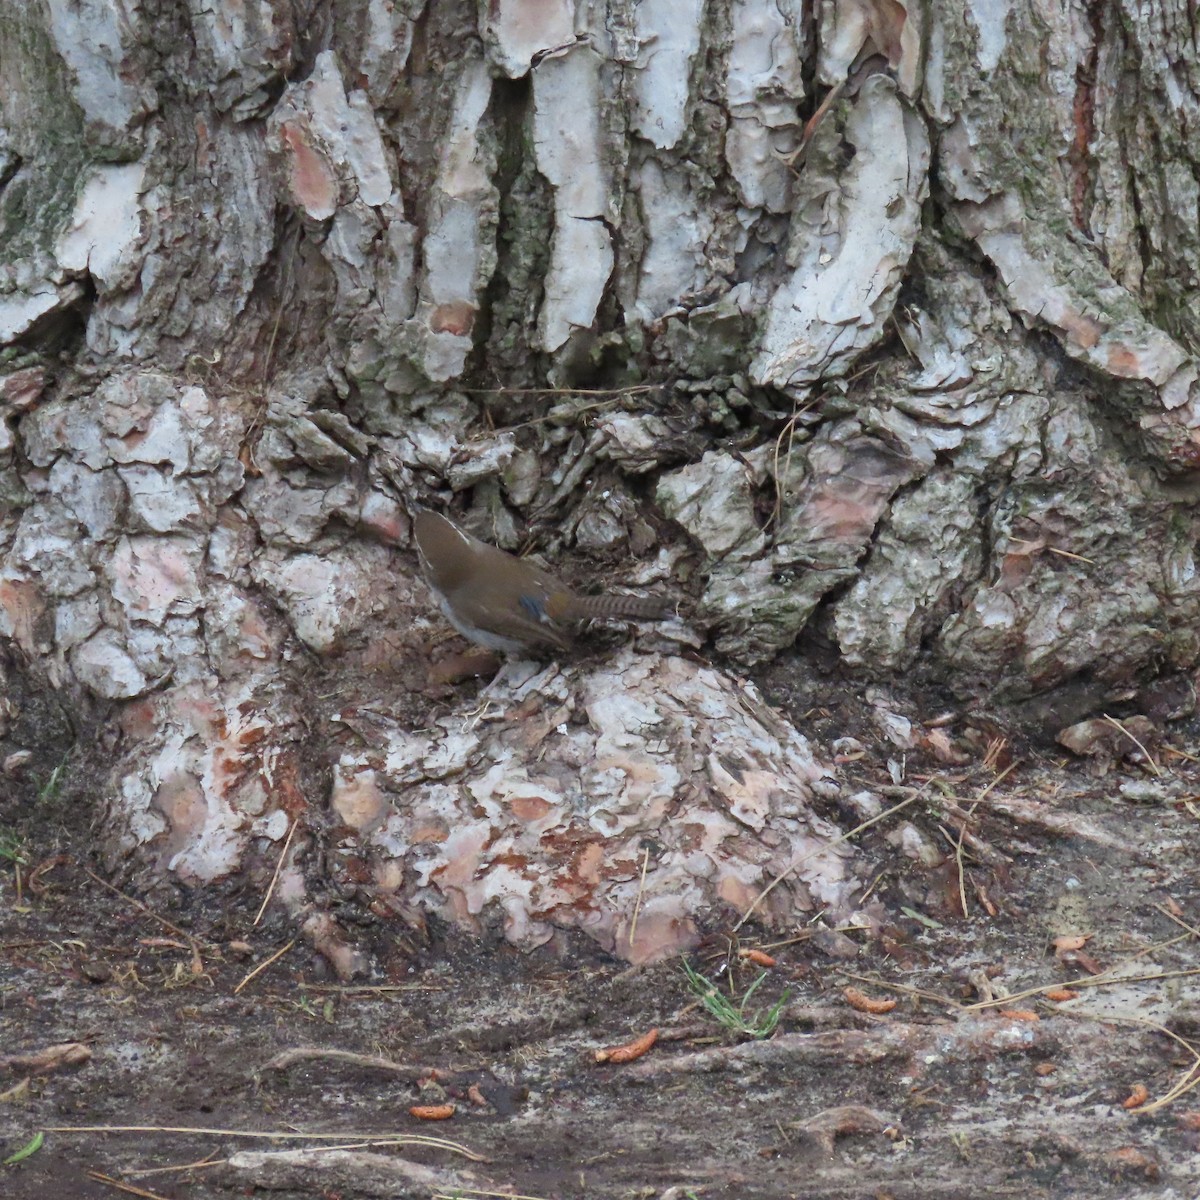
(890,309)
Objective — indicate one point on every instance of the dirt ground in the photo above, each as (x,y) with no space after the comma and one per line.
(966,1087)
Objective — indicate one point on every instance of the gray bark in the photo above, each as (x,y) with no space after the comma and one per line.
(917,364)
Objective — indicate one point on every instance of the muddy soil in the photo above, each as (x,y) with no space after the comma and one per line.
(966,1087)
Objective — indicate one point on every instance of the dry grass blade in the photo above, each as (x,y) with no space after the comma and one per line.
(278,868)
(1149,758)
(132,1189)
(466,1191)
(1069,554)
(363,989)
(264,965)
(1086,981)
(1191,1077)
(792,868)
(1166,912)
(962,832)
(1109,977)
(935,997)
(637,908)
(281,1135)
(198,1165)
(116,891)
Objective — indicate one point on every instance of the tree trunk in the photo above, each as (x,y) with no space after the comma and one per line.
(889,308)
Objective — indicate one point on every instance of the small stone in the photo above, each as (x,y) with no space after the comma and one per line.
(864,805)
(1144,791)
(834,943)
(16,762)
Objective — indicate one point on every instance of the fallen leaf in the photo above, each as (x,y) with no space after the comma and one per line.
(1071,941)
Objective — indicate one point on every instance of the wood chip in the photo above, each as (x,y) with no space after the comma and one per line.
(52,1058)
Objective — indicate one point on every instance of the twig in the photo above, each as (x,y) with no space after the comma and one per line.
(278,1135)
(278,867)
(141,907)
(264,965)
(299,1054)
(365,988)
(1086,981)
(637,908)
(1180,754)
(1117,725)
(193,943)
(1191,1077)
(1068,554)
(507,391)
(1166,912)
(278,315)
(466,1191)
(124,1187)
(142,1172)
(936,997)
(962,832)
(795,866)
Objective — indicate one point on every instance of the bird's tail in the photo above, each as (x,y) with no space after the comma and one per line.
(640,608)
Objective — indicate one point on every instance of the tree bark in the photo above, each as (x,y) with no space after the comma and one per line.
(890,309)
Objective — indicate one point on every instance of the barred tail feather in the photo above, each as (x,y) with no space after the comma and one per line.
(641,608)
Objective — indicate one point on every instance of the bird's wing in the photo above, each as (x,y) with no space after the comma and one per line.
(533,624)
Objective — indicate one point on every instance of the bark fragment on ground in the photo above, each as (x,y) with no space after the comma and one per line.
(366,1173)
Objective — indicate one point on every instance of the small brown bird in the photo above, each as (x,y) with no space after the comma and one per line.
(504,603)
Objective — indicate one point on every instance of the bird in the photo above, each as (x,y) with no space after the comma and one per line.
(505,603)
